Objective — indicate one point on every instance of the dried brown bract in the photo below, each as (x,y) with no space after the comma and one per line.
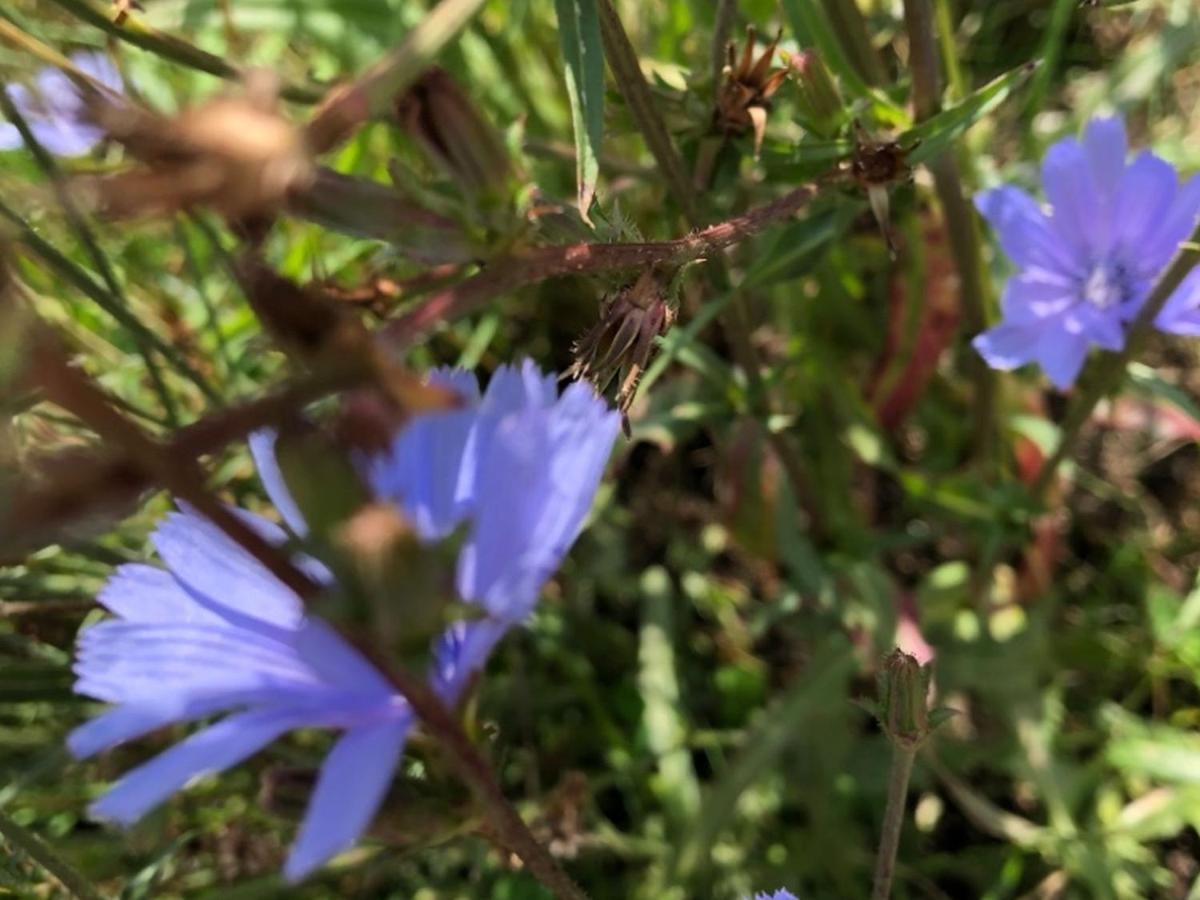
(621,344)
(236,154)
(745,97)
(875,166)
(438,114)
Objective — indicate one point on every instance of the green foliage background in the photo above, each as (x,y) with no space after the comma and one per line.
(677,717)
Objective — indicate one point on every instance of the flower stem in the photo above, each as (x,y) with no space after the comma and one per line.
(39,851)
(893,819)
(471,766)
(1105,373)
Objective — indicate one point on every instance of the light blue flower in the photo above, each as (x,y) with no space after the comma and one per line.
(215,632)
(54,109)
(1088,264)
(780,894)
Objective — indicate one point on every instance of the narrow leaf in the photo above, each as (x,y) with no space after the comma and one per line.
(579,32)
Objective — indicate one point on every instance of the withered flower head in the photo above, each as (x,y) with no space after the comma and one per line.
(439,115)
(235,154)
(622,342)
(745,97)
(875,166)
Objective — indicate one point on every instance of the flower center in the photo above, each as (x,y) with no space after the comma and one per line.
(1106,286)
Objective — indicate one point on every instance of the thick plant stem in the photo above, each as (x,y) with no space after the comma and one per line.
(470,765)
(39,851)
(1105,373)
(959,217)
(893,819)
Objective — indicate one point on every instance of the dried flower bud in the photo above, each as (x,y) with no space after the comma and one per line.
(236,154)
(875,166)
(437,113)
(820,106)
(622,342)
(904,699)
(745,97)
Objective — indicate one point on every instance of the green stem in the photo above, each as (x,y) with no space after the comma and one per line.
(68,270)
(39,851)
(80,226)
(1105,373)
(722,32)
(851,29)
(134,31)
(958,87)
(623,61)
(961,227)
(893,820)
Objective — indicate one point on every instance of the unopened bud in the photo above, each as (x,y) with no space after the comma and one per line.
(438,114)
(904,699)
(820,108)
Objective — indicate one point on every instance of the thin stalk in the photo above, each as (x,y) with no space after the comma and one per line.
(959,218)
(80,226)
(957,82)
(622,60)
(528,267)
(471,766)
(134,30)
(722,32)
(1105,373)
(40,852)
(851,29)
(893,819)
(68,270)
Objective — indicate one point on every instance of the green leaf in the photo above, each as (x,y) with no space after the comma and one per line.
(936,134)
(579,32)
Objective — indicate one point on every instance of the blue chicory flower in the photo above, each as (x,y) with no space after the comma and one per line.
(1087,265)
(215,632)
(54,109)
(781,894)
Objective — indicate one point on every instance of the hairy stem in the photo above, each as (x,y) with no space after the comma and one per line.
(40,852)
(623,61)
(893,820)
(1106,372)
(528,267)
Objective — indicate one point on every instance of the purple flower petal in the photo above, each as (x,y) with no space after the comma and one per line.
(353,782)
(262,450)
(212,750)
(1061,356)
(223,575)
(1007,346)
(1181,314)
(1025,233)
(1079,217)
(1105,145)
(1145,195)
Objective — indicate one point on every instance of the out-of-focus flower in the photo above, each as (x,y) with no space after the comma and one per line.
(215,632)
(781,894)
(1088,264)
(520,463)
(1181,315)
(54,108)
